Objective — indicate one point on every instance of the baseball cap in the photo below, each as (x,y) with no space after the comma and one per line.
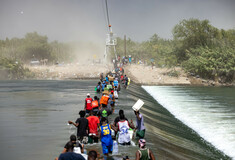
(88,94)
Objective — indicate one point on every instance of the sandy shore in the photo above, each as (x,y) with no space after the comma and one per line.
(157,76)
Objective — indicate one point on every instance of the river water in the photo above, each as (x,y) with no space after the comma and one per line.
(186,122)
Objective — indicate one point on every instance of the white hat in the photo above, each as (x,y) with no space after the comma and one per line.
(88,94)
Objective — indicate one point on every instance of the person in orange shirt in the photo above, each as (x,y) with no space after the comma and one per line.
(104,99)
(95,105)
(104,111)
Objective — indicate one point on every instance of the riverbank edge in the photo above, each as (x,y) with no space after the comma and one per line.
(188,80)
(193,82)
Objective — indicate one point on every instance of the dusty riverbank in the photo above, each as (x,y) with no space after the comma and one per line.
(147,75)
(139,74)
(156,76)
(69,71)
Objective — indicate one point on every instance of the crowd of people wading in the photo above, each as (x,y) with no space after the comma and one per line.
(94,124)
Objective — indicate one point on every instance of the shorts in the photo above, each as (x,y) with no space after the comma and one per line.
(92,139)
(104,105)
(83,139)
(95,110)
(123,144)
(87,111)
(140,134)
(107,149)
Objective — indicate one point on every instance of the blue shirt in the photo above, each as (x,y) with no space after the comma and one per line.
(111,98)
(107,79)
(103,85)
(115,83)
(106,137)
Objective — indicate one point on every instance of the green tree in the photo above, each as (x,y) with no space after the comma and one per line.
(193,33)
(36,47)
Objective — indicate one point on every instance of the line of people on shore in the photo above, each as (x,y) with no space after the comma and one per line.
(94,124)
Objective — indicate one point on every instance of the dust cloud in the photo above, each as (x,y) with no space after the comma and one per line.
(87,52)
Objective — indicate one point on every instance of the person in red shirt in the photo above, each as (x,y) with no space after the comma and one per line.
(88,106)
(93,125)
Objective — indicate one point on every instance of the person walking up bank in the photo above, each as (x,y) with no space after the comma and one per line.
(139,125)
(144,153)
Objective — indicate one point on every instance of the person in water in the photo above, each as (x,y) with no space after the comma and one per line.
(104,112)
(139,125)
(104,99)
(123,126)
(88,102)
(70,155)
(98,87)
(144,153)
(76,144)
(126,81)
(95,105)
(93,124)
(73,139)
(106,138)
(103,85)
(82,127)
(107,79)
(117,119)
(115,83)
(101,77)
(111,101)
(92,155)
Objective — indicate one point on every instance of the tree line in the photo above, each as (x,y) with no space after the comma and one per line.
(34,47)
(16,52)
(197,46)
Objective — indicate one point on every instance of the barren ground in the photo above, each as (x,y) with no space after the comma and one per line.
(156,76)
